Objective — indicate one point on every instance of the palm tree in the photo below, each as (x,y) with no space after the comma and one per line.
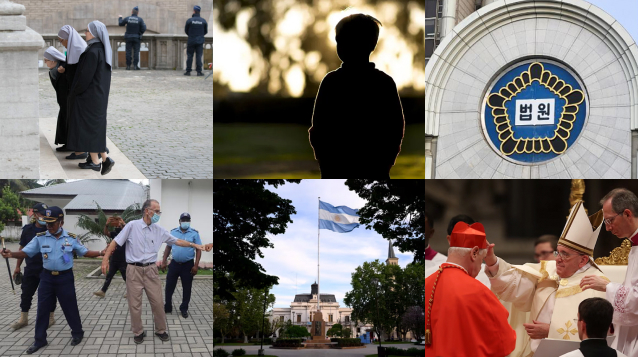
(96,228)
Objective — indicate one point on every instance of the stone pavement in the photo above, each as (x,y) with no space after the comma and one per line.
(161,120)
(106,322)
(370,349)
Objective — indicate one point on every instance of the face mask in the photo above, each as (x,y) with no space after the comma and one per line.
(185,225)
(41,222)
(155,218)
(59,231)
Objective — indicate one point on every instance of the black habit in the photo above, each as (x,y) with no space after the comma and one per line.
(60,84)
(88,101)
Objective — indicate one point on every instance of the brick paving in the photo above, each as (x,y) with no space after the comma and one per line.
(161,120)
(106,322)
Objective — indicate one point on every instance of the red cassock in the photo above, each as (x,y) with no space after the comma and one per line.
(467,320)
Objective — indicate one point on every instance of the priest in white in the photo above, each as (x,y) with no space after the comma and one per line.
(434,259)
(620,211)
(550,290)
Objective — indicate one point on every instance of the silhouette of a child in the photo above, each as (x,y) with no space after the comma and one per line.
(357,123)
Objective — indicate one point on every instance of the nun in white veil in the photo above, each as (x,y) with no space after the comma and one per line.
(89,100)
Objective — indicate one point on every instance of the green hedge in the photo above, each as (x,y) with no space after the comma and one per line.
(349,342)
(393,351)
(257,341)
(334,339)
(287,342)
(220,352)
(239,352)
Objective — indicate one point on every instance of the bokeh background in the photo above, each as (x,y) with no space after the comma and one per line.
(270,57)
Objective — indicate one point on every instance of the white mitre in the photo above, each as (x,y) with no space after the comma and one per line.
(581,232)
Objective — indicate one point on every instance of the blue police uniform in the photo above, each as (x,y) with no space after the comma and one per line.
(180,267)
(196,27)
(135,28)
(56,280)
(32,269)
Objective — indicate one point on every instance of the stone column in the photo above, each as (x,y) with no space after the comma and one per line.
(19,111)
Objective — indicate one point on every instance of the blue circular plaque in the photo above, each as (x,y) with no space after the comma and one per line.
(534,111)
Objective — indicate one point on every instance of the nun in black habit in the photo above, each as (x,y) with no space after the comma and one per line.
(88,100)
(55,59)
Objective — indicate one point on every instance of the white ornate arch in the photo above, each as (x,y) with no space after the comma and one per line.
(573,32)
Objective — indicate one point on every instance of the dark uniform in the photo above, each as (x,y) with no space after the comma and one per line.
(117,262)
(180,267)
(56,279)
(135,28)
(33,268)
(196,27)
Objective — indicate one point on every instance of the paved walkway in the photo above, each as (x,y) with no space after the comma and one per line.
(369,350)
(106,322)
(162,121)
(53,164)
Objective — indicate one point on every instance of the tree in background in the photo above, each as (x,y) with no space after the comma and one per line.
(249,309)
(310,50)
(414,320)
(11,208)
(335,330)
(221,319)
(95,229)
(244,213)
(396,210)
(295,331)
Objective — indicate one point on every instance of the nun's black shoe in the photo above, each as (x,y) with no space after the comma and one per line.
(200,74)
(137,68)
(63,148)
(187,73)
(75,157)
(90,165)
(128,68)
(107,165)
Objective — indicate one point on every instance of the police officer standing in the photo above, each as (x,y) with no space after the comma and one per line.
(196,28)
(182,265)
(56,246)
(33,268)
(135,28)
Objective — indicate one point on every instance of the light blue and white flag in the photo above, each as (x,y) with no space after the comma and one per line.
(339,219)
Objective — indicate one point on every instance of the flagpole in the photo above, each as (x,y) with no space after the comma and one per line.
(318,279)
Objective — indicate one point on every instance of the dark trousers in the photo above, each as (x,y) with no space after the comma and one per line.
(198,50)
(132,45)
(114,267)
(30,283)
(182,271)
(62,288)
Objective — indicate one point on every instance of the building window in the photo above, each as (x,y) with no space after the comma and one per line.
(347,319)
(298,318)
(281,319)
(330,318)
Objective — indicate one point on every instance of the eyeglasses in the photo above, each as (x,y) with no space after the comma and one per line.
(564,255)
(156,211)
(609,221)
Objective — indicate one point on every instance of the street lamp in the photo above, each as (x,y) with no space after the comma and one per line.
(376,293)
(261,350)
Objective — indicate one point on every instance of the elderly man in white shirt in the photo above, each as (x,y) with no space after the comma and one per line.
(144,239)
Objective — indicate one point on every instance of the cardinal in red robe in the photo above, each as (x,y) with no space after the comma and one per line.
(465,318)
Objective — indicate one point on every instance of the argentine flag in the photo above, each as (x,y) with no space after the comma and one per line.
(339,219)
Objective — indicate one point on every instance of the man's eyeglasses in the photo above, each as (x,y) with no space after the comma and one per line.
(564,255)
(609,221)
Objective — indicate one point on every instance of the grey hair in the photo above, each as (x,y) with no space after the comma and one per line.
(465,251)
(622,199)
(147,204)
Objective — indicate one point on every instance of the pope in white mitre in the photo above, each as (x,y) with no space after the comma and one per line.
(550,290)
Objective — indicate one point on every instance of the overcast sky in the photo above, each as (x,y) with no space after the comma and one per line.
(294,257)
(624,11)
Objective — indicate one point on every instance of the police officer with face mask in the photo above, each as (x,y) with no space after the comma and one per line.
(182,265)
(33,268)
(196,28)
(135,28)
(56,247)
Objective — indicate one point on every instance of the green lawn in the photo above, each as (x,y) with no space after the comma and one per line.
(282,151)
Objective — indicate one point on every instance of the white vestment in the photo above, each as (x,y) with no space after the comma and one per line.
(624,299)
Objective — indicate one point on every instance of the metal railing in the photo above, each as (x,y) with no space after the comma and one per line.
(163,51)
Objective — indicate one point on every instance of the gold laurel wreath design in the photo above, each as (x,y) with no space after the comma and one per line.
(558,143)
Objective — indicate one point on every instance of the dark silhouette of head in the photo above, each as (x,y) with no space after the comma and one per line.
(135,11)
(356,37)
(594,318)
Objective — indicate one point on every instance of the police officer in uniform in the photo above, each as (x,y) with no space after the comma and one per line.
(135,28)
(56,246)
(196,28)
(33,268)
(182,265)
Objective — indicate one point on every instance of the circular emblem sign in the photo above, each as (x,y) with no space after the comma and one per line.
(534,112)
